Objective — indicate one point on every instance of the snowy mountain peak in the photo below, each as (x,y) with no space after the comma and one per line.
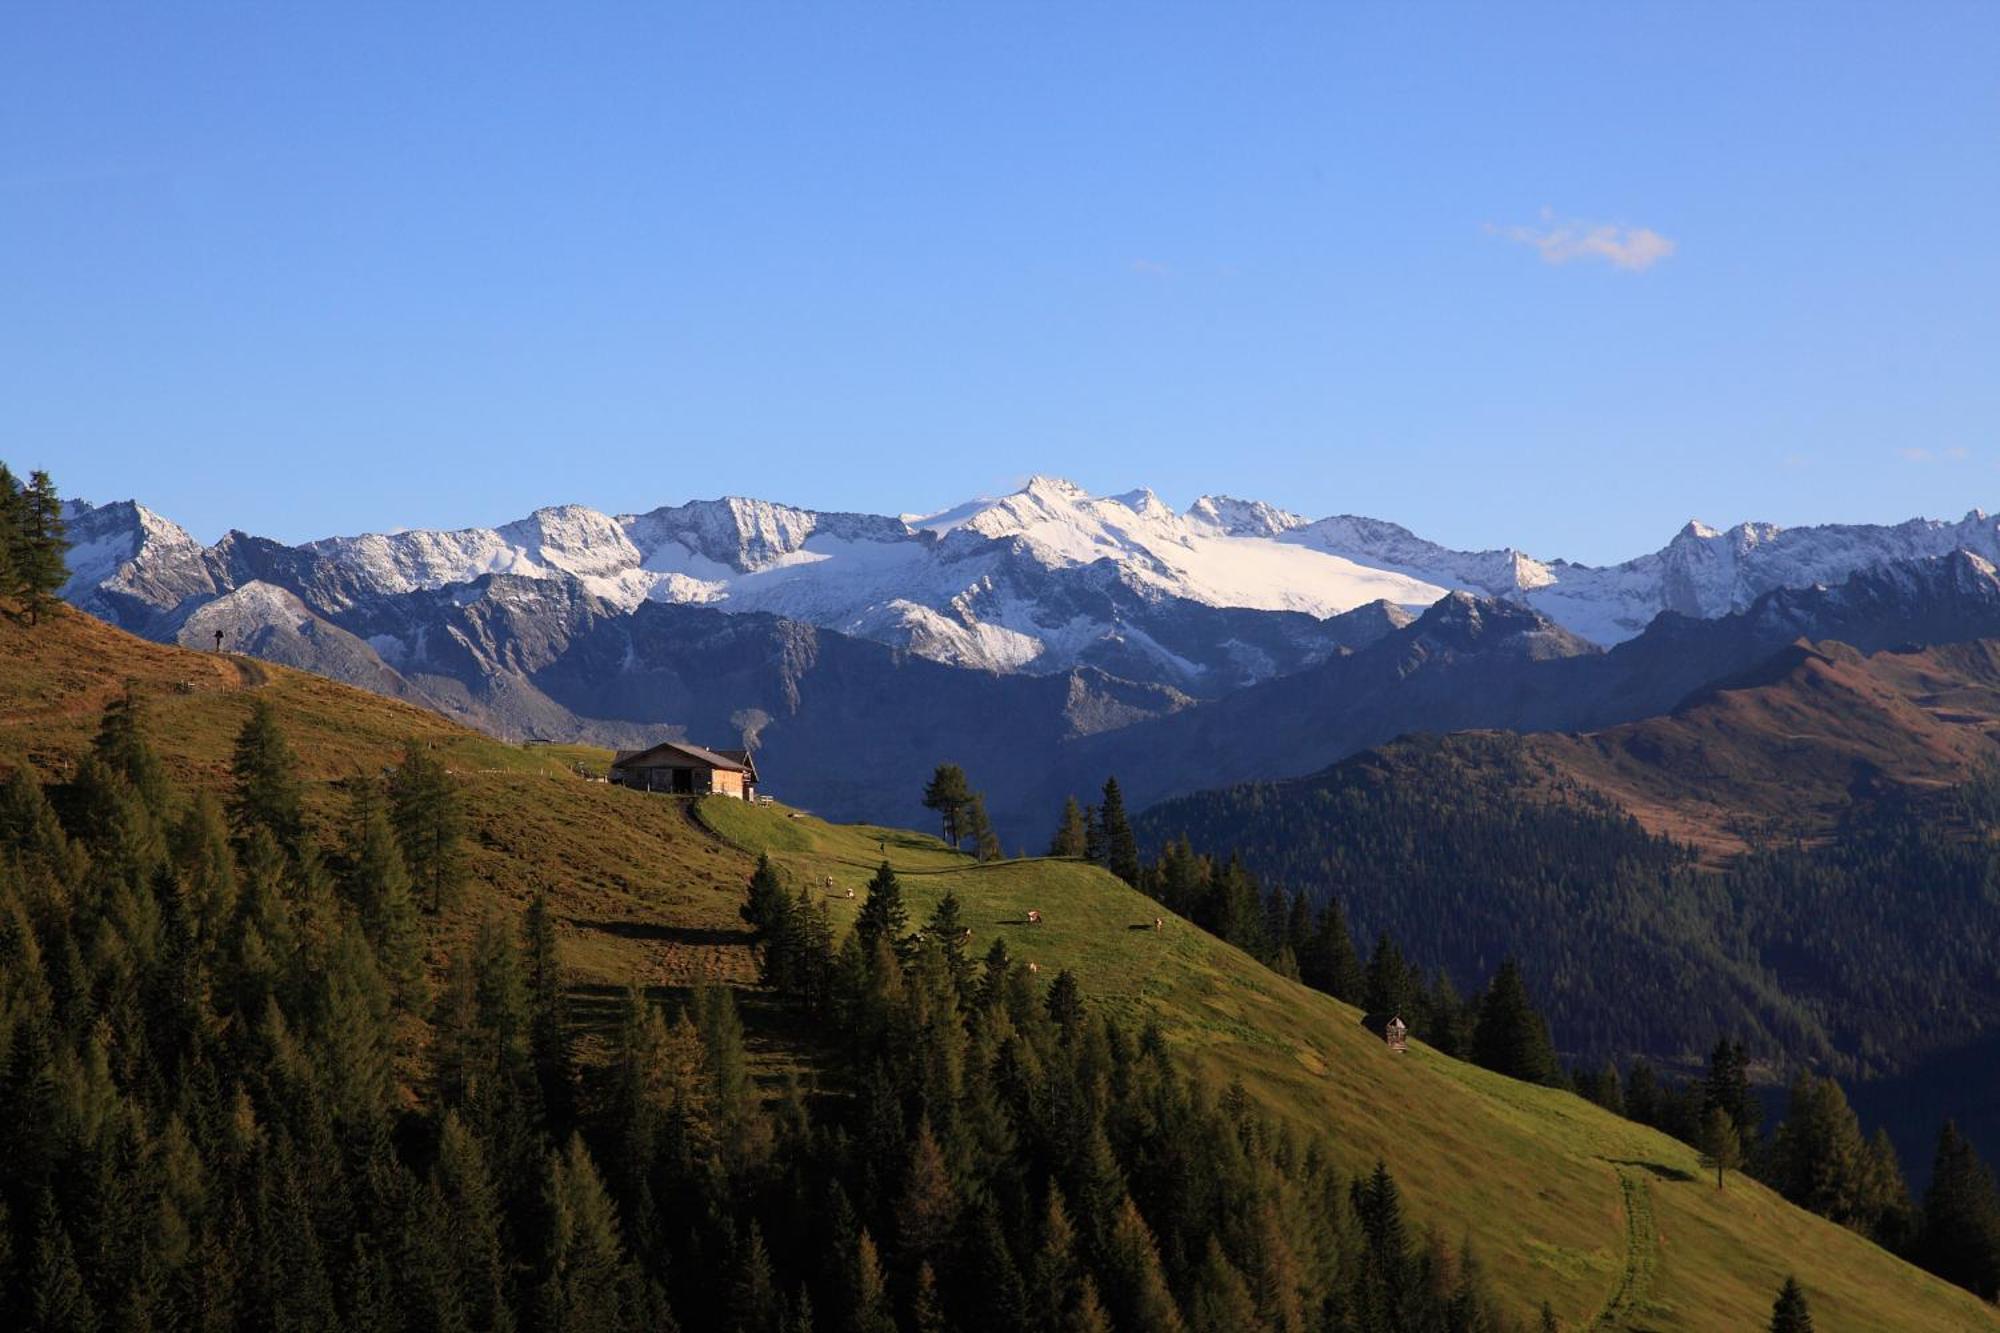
(1244,518)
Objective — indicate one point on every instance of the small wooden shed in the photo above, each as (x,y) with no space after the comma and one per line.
(681,769)
(1396,1034)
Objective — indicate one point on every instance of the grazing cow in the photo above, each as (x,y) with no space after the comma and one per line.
(850,890)
(1033,967)
(1034,918)
(1159,923)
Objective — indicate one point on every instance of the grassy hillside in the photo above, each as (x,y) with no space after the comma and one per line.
(1605,1218)
(1608,1220)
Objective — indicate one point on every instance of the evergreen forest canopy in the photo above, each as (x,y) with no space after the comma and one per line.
(240,1100)
(1860,956)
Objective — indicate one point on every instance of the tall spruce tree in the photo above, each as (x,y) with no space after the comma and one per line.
(883,917)
(985,842)
(1959,1235)
(1510,1036)
(38,561)
(429,815)
(1789,1313)
(267,779)
(1121,846)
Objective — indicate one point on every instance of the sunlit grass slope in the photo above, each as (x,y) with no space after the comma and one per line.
(643,894)
(1602,1217)
(1605,1218)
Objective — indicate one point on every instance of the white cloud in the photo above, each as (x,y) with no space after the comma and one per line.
(1567,240)
(1152,268)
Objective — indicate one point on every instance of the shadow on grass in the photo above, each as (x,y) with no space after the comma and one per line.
(651,930)
(1659,1169)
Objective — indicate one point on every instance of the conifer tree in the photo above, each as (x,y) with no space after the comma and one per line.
(1135,1283)
(1959,1234)
(267,779)
(883,918)
(754,1303)
(1121,847)
(1789,1313)
(926,1309)
(1220,1300)
(1386,987)
(430,822)
(1721,1144)
(1728,1086)
(767,901)
(949,794)
(57,1297)
(469,1205)
(985,842)
(1072,834)
(1510,1036)
(38,558)
(869,1294)
(583,1276)
(1065,1003)
(548,1005)
(379,884)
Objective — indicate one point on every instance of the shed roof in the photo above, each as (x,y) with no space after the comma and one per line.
(676,754)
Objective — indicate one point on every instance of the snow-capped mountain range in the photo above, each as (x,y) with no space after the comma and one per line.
(1042,580)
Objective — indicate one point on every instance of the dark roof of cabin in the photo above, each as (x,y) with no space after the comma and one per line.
(667,751)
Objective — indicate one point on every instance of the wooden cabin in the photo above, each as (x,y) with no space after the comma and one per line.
(1396,1034)
(682,769)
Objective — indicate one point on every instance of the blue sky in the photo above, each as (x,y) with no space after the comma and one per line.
(1555,276)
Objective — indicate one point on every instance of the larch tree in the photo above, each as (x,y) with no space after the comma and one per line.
(429,815)
(1072,833)
(1721,1143)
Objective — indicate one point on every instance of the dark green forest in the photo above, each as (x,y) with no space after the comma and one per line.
(1860,954)
(238,1099)
(1858,957)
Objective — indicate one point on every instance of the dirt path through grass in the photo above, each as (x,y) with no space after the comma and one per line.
(1642,1249)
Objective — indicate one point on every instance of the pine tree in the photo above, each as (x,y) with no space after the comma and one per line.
(1065,1003)
(754,1303)
(767,901)
(1121,847)
(38,561)
(267,779)
(985,842)
(949,794)
(1386,987)
(1721,1144)
(1959,1234)
(1510,1036)
(583,1273)
(1135,1283)
(928,1208)
(379,884)
(548,1006)
(57,1297)
(428,813)
(1072,834)
(1220,1300)
(1789,1313)
(883,918)
(869,1294)
(926,1309)
(1728,1086)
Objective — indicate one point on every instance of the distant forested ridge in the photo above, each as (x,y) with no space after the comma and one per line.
(1860,956)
